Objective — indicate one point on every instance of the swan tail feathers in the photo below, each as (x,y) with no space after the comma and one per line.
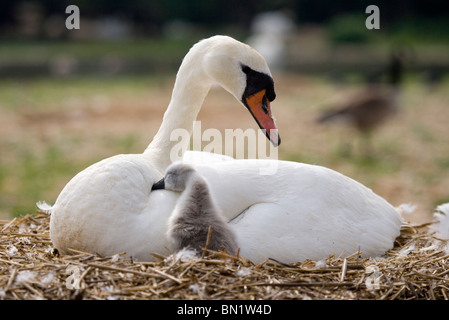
(44,207)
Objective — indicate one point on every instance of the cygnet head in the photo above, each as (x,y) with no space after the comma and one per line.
(243,72)
(176,177)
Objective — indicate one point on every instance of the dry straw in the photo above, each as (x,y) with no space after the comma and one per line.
(30,268)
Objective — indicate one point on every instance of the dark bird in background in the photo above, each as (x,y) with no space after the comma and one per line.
(433,77)
(371,107)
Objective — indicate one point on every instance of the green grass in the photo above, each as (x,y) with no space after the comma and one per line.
(35,165)
(31,176)
(50,93)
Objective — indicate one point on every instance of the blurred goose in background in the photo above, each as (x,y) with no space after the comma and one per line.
(194,213)
(374,105)
(433,77)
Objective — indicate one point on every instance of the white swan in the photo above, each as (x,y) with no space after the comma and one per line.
(194,213)
(102,207)
(301,212)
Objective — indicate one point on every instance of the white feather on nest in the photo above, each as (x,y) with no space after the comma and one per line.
(44,207)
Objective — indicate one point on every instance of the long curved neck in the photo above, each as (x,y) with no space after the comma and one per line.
(191,88)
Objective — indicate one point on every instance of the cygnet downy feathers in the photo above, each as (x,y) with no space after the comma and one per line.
(194,213)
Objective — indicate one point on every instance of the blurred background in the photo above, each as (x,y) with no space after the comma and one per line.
(69,98)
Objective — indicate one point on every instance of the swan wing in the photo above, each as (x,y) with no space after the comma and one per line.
(301,212)
(204,158)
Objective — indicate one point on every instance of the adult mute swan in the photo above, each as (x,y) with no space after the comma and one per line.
(100,208)
(300,212)
(195,212)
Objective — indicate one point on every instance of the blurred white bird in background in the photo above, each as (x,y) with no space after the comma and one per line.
(270,32)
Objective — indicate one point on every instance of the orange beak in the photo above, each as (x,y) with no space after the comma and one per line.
(259,106)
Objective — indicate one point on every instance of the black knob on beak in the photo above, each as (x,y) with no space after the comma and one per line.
(158,185)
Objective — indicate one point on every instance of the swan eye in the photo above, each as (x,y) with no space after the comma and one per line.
(245,69)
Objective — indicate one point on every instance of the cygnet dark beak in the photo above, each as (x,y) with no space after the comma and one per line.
(159,185)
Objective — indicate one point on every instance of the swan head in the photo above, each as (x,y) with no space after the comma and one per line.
(243,72)
(176,178)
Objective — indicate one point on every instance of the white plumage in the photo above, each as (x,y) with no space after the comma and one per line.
(302,211)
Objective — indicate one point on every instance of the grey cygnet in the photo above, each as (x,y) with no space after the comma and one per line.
(195,211)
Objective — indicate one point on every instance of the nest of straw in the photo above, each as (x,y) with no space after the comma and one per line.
(30,268)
